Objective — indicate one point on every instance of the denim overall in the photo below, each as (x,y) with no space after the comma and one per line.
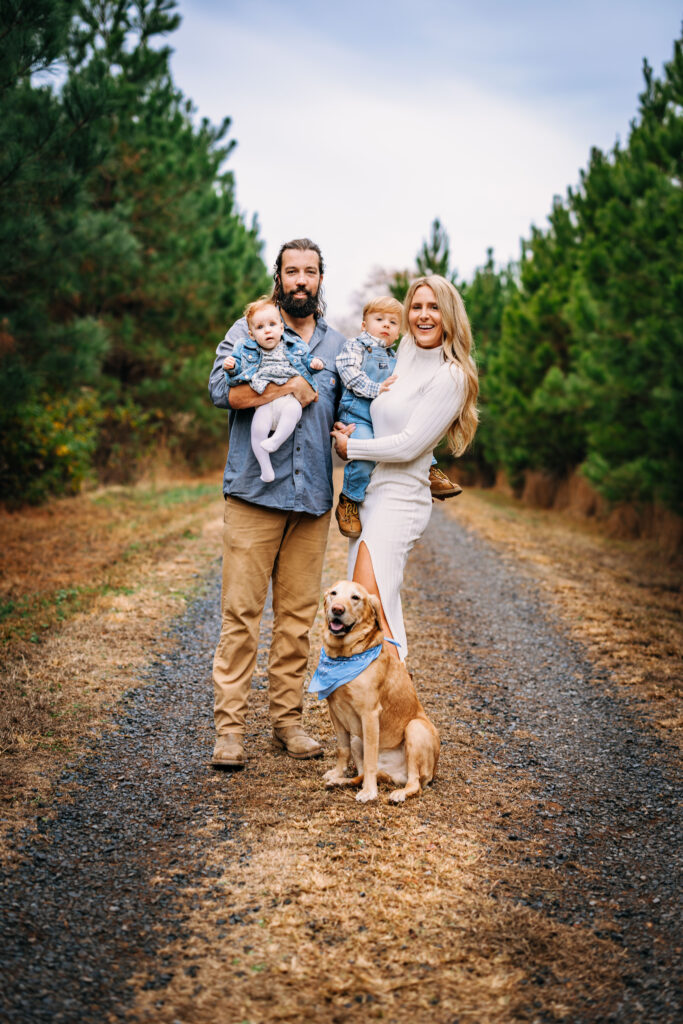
(378,363)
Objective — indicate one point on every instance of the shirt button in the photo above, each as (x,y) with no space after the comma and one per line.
(298,448)
(296,472)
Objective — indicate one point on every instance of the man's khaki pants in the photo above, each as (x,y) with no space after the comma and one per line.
(260,543)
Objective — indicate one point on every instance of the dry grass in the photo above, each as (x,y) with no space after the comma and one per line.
(622,599)
(127,560)
(402,924)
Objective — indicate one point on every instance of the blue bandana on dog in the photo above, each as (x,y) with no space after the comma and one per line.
(332,673)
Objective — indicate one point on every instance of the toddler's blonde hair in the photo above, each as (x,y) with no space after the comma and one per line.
(383,304)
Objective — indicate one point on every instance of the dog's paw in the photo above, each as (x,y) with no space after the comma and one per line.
(398,796)
(366,795)
(332,779)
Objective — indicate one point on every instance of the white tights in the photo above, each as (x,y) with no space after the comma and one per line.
(280,415)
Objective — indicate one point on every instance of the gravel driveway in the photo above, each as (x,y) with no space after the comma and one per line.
(108,880)
(609,792)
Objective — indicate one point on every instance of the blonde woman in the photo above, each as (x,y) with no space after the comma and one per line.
(435,393)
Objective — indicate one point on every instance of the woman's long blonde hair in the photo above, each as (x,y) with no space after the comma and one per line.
(458,347)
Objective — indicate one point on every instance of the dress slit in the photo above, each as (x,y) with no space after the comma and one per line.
(392,614)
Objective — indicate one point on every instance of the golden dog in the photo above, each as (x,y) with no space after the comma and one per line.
(377,717)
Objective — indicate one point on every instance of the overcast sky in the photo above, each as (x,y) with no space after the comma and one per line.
(358,123)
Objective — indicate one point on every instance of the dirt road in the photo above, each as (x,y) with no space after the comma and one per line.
(537,879)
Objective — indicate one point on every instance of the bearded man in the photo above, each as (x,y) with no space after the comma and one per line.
(275,531)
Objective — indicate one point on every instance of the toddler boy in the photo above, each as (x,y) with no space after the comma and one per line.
(365,365)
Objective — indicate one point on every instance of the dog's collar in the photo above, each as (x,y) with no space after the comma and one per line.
(332,673)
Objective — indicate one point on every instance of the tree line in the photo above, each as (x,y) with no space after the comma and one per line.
(122,252)
(580,342)
(123,256)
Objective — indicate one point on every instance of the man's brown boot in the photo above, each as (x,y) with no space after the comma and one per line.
(295,741)
(440,485)
(348,520)
(229,751)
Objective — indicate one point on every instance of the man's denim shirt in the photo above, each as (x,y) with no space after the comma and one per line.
(248,354)
(303,465)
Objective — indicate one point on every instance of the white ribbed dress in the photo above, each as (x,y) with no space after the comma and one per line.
(408,421)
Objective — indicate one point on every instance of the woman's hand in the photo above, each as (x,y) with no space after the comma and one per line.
(340,443)
(386,384)
(345,428)
(340,435)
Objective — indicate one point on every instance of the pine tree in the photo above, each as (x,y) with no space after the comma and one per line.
(486,297)
(533,425)
(628,303)
(186,264)
(46,151)
(581,344)
(434,256)
(123,254)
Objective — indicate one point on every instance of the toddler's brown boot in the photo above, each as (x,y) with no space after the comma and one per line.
(441,486)
(348,520)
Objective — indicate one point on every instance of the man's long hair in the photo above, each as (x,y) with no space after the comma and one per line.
(302,244)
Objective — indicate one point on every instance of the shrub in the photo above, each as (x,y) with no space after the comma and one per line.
(48,446)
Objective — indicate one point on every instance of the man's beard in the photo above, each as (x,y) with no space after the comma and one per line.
(299,308)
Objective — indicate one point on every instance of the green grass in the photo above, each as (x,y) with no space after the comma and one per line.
(61,602)
(159,498)
(29,617)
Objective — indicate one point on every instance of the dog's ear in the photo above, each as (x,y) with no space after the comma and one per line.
(377,609)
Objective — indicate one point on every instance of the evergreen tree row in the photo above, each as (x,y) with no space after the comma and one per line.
(122,253)
(580,344)
(123,256)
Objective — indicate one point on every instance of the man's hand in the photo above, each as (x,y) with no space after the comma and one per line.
(317,364)
(229,363)
(301,389)
(386,384)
